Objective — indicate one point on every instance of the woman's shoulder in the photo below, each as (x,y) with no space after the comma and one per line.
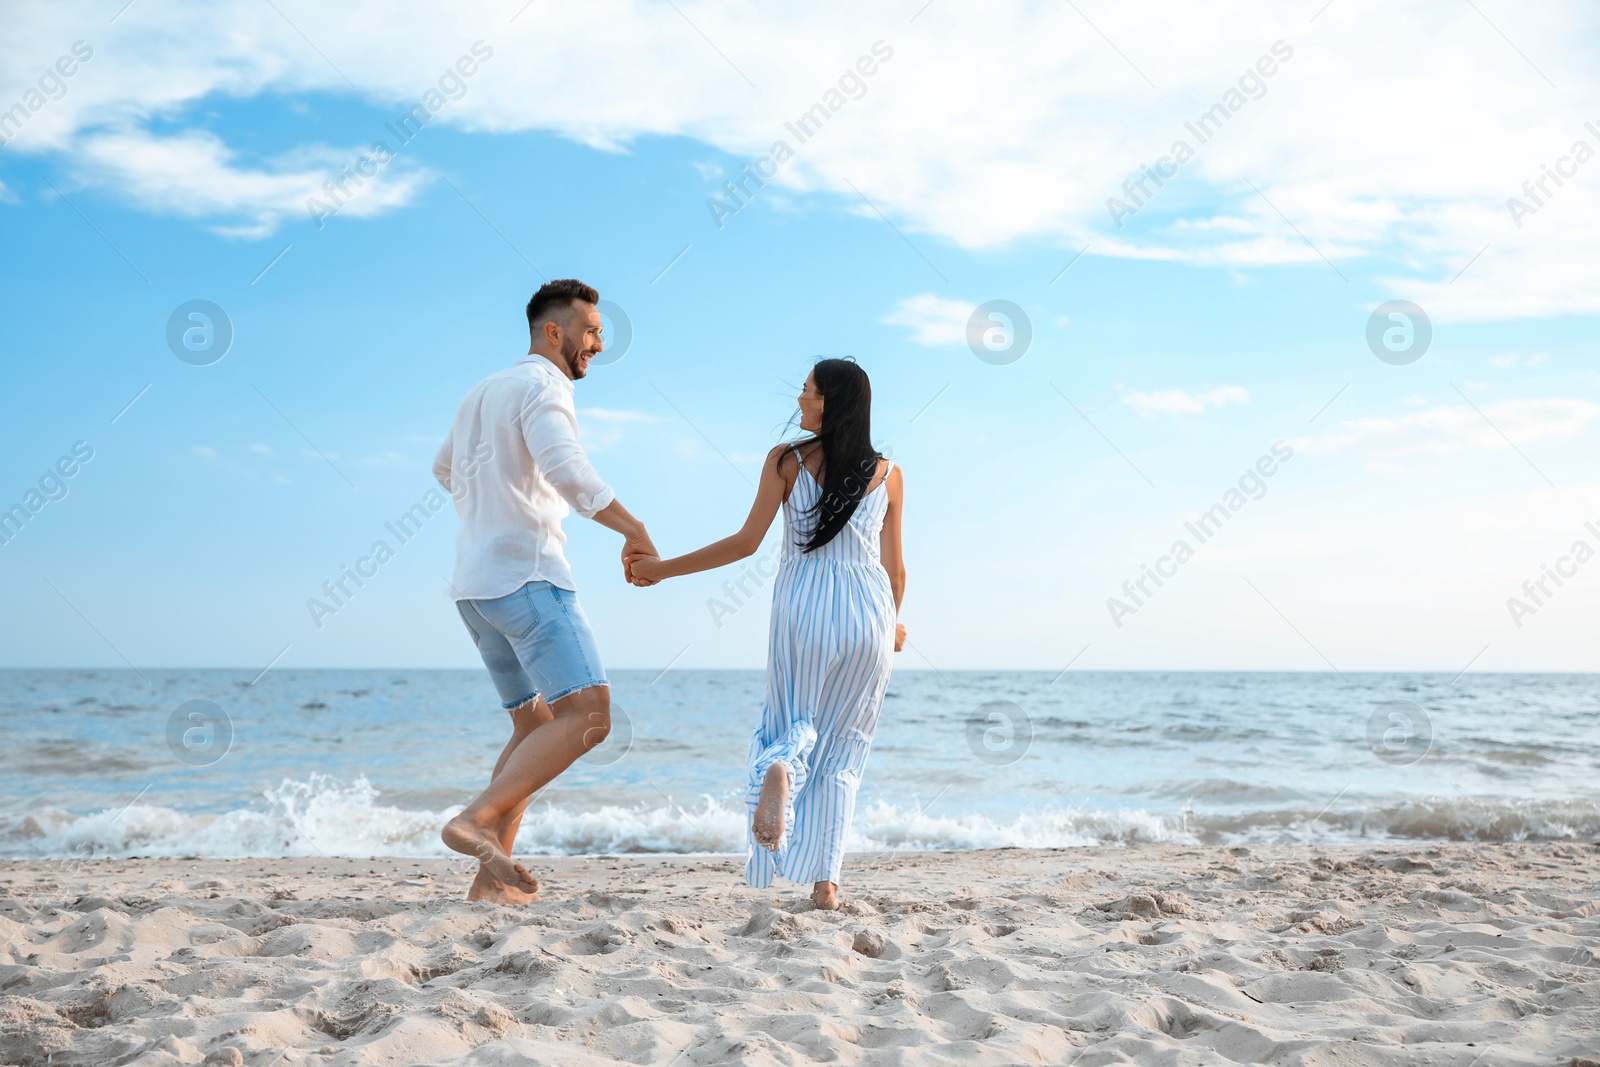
(788,453)
(892,479)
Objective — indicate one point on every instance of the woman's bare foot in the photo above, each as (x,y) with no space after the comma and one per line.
(471,839)
(487,887)
(825,895)
(766,826)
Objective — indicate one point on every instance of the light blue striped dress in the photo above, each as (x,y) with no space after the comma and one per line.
(829,653)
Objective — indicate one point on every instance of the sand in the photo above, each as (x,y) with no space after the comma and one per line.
(1445,955)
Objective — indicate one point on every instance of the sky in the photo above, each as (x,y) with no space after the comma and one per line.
(1321,271)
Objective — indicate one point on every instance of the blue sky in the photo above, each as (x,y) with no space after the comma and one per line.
(1228,314)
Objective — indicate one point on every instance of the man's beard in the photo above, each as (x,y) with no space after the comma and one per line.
(569,352)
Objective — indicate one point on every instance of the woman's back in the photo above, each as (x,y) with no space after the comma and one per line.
(858,543)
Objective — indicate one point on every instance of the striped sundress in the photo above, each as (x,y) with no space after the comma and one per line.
(829,652)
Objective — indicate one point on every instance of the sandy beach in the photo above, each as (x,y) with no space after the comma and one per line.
(1444,955)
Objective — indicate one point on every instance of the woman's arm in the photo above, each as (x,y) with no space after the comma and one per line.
(889,540)
(889,547)
(770,494)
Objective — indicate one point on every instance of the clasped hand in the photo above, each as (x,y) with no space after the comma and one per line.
(641,564)
(644,570)
(639,560)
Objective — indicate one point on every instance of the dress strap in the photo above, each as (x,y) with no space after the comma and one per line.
(799,462)
(800,468)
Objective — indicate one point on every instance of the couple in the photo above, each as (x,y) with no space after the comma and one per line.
(834,602)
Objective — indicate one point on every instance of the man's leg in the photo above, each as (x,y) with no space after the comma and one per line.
(525,718)
(531,717)
(579,722)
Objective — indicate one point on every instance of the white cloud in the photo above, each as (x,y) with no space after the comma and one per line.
(196,175)
(932,320)
(1518,360)
(1047,122)
(205,451)
(1178,402)
(610,422)
(616,415)
(1441,430)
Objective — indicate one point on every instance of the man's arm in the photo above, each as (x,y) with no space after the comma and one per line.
(635,540)
(551,431)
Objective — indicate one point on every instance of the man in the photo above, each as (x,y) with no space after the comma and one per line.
(516,438)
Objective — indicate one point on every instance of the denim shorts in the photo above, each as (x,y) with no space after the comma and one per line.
(535,642)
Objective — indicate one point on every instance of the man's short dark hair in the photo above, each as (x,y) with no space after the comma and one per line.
(557,296)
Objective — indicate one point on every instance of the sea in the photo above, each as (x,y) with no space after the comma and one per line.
(363,763)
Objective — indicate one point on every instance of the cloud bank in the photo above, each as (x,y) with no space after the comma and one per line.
(1388,143)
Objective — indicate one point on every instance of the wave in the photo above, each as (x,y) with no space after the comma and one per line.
(318,816)
(885,826)
(1411,820)
(1223,790)
(322,816)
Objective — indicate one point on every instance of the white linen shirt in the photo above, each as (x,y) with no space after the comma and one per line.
(513,465)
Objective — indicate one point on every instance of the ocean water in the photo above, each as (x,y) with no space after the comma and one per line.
(370,763)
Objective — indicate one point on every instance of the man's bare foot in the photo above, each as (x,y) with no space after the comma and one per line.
(470,839)
(487,887)
(825,895)
(766,826)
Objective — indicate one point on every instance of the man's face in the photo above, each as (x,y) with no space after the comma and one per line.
(580,340)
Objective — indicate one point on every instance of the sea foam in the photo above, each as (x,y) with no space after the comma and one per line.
(324,816)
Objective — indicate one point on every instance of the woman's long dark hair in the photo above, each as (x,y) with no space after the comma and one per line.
(849,461)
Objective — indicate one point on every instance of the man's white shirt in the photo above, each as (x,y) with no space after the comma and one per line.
(513,465)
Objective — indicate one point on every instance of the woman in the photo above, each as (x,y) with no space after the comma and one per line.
(833,628)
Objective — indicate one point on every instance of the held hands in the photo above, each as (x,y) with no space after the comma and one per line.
(647,570)
(636,548)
